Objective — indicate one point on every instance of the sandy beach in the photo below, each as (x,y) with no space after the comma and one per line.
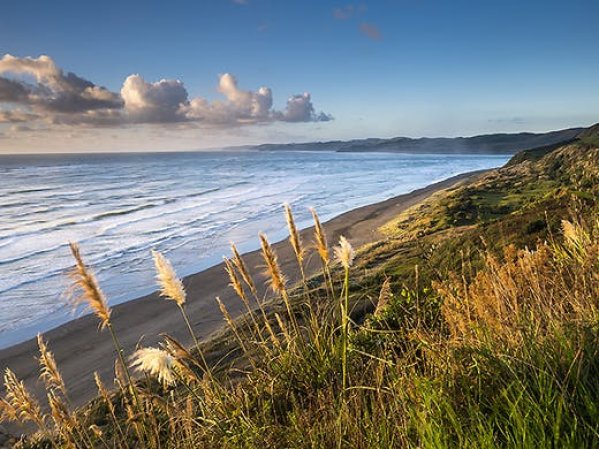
(80,349)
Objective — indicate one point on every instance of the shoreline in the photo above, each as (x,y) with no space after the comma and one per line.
(80,349)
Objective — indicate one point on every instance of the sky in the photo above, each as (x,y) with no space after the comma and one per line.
(185,75)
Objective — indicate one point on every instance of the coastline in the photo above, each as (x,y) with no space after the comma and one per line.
(80,349)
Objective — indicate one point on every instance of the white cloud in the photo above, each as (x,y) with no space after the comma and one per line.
(41,68)
(300,109)
(68,99)
(53,91)
(157,102)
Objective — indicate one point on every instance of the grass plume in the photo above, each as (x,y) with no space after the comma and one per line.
(90,292)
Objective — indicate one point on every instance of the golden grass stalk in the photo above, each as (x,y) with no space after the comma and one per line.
(91,294)
(103,392)
(105,395)
(320,239)
(294,237)
(155,362)
(322,248)
(84,279)
(171,286)
(49,370)
(231,324)
(296,244)
(60,413)
(276,279)
(235,283)
(242,268)
(19,403)
(65,423)
(7,411)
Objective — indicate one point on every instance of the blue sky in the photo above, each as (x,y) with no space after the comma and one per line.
(384,68)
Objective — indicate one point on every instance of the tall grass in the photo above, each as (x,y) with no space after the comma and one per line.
(510,360)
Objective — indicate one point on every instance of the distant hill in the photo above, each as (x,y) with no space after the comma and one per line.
(484,144)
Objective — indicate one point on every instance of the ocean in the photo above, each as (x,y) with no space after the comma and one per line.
(119,207)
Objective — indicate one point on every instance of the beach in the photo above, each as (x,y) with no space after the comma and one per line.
(81,349)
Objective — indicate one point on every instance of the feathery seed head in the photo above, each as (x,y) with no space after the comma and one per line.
(21,404)
(60,412)
(101,387)
(242,268)
(90,292)
(294,237)
(225,312)
(235,281)
(156,362)
(345,253)
(49,371)
(171,286)
(7,411)
(273,271)
(320,238)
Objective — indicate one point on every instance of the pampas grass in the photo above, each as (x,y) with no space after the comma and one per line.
(19,403)
(171,287)
(295,240)
(156,362)
(277,279)
(90,292)
(243,270)
(49,370)
(345,254)
(320,239)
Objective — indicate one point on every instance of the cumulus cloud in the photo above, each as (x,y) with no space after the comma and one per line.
(153,102)
(300,109)
(52,89)
(39,90)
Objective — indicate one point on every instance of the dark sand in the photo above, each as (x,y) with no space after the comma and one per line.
(80,349)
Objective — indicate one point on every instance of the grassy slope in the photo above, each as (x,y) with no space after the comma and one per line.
(419,376)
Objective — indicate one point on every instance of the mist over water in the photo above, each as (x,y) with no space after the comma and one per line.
(187,205)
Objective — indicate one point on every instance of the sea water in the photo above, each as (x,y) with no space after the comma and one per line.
(189,206)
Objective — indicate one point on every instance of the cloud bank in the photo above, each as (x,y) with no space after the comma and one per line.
(37,90)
